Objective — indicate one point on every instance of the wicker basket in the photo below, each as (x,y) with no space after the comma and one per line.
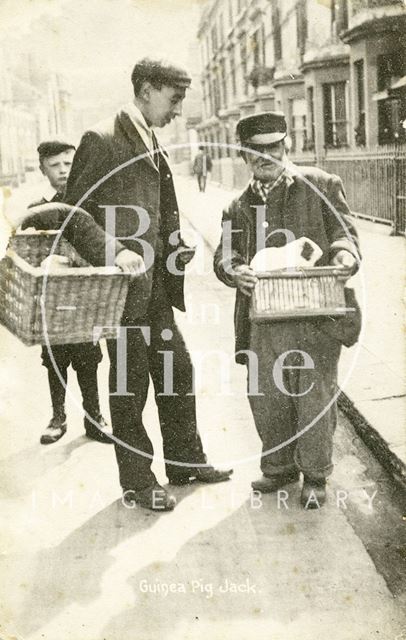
(73,300)
(299,293)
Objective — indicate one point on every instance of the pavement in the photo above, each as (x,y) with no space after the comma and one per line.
(77,565)
(372,374)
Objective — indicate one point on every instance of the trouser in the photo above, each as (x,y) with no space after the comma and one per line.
(296,414)
(177,410)
(84,359)
(201,181)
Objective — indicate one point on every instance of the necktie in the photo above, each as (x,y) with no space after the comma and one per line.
(156,149)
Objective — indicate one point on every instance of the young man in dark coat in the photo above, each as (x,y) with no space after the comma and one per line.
(297,359)
(55,161)
(120,175)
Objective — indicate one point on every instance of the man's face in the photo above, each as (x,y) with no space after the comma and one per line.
(57,168)
(162,105)
(264,168)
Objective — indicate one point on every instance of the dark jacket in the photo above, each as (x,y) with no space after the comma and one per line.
(305,213)
(202,164)
(106,171)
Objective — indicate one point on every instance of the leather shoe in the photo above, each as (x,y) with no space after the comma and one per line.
(269,484)
(207,474)
(101,433)
(313,493)
(54,431)
(155,498)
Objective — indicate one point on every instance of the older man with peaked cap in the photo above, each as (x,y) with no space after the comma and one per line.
(291,207)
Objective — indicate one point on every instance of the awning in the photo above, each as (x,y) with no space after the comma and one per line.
(387,93)
(380,95)
(399,83)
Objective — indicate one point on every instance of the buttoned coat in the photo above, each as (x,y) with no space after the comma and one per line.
(112,166)
(314,206)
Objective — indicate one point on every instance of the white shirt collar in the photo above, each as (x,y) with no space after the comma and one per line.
(48,193)
(140,124)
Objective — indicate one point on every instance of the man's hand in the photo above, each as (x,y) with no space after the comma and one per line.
(130,262)
(346,261)
(245,279)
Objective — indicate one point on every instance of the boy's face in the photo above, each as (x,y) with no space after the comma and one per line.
(264,168)
(56,169)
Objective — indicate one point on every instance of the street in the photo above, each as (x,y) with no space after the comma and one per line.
(226,565)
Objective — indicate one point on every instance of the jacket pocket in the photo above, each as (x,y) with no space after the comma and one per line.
(345,329)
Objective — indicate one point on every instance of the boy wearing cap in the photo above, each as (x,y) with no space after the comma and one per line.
(297,359)
(55,161)
(121,176)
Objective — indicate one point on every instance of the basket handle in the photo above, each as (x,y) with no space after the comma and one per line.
(49,216)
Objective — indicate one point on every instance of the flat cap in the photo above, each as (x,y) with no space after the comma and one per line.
(160,72)
(175,77)
(267,127)
(49,148)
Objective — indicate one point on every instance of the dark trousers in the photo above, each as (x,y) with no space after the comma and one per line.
(84,359)
(177,413)
(279,416)
(201,181)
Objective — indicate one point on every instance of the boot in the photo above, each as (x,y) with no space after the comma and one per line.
(57,426)
(101,432)
(55,430)
(87,379)
(269,484)
(313,493)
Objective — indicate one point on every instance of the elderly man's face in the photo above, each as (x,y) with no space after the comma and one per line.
(57,168)
(162,105)
(262,166)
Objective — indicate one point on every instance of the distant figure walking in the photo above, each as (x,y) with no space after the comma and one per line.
(202,165)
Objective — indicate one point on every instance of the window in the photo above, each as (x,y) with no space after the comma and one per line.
(213,94)
(277,32)
(217,141)
(214,148)
(216,94)
(211,89)
(258,46)
(227,139)
(301,25)
(214,40)
(205,110)
(310,109)
(391,67)
(297,124)
(339,16)
(243,56)
(335,114)
(360,85)
(223,82)
(263,45)
(392,109)
(255,47)
(232,71)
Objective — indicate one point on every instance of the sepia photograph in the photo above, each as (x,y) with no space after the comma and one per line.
(202,319)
